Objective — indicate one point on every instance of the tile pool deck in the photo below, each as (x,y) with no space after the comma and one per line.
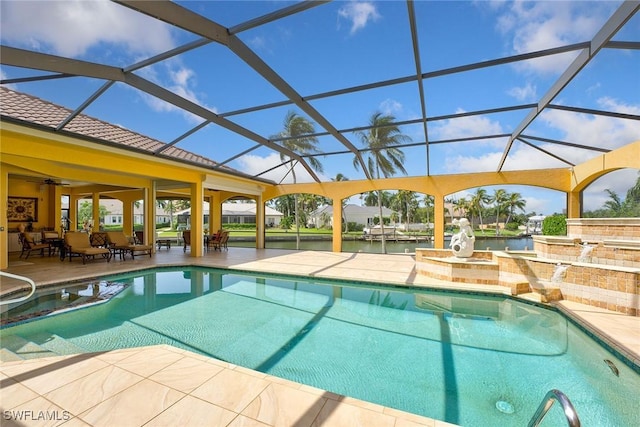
(165,386)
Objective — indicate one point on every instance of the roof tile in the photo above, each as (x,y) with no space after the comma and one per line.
(28,108)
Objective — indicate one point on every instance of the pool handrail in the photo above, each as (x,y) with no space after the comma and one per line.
(24,279)
(546,404)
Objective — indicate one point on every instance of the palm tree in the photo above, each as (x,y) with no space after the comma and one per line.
(429,202)
(382,156)
(479,198)
(514,201)
(407,203)
(297,130)
(614,204)
(499,198)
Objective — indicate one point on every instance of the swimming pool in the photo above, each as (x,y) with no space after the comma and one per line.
(474,360)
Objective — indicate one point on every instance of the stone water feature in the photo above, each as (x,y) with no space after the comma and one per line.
(599,258)
(462,243)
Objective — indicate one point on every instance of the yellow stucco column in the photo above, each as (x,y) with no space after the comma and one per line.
(438,222)
(260,222)
(4,224)
(95,209)
(73,212)
(150,215)
(215,211)
(127,216)
(574,204)
(197,232)
(337,226)
(55,208)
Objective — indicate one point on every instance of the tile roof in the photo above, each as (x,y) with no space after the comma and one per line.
(28,108)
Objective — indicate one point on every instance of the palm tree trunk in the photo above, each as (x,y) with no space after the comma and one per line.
(295,210)
(382,237)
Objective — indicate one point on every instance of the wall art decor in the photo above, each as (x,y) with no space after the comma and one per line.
(22,209)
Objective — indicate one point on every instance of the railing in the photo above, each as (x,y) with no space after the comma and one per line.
(547,403)
(24,279)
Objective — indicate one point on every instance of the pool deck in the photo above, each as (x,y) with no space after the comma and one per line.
(164,385)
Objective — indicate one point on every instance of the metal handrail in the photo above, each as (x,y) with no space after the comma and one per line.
(547,403)
(24,279)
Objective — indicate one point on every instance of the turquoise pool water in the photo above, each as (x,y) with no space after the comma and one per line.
(473,360)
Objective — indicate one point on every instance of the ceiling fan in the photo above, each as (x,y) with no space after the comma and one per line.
(49,181)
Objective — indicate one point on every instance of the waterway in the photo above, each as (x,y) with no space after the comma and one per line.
(495,244)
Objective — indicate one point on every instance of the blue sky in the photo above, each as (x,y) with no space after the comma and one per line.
(344,44)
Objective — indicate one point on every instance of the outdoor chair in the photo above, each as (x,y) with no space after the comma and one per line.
(139,237)
(186,237)
(29,245)
(215,240)
(78,243)
(119,243)
(53,239)
(99,240)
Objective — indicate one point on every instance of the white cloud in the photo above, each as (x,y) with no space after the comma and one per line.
(469,164)
(257,43)
(254,164)
(72,27)
(599,131)
(533,26)
(176,77)
(390,107)
(465,127)
(594,196)
(359,14)
(524,93)
(4,76)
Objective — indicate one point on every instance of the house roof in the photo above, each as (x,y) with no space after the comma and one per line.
(354,210)
(235,209)
(33,111)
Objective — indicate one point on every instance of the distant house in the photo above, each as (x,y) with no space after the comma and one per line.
(362,215)
(233,213)
(115,213)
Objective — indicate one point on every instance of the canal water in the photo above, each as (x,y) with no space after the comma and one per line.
(495,244)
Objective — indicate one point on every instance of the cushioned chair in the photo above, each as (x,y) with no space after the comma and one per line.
(139,237)
(186,237)
(78,243)
(29,245)
(119,243)
(99,240)
(219,240)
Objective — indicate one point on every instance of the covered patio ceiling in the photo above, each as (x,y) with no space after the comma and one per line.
(469,100)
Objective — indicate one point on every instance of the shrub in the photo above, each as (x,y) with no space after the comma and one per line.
(554,225)
(354,226)
(512,226)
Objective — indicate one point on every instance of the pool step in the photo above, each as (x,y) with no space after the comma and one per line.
(42,344)
(56,344)
(25,349)
(8,356)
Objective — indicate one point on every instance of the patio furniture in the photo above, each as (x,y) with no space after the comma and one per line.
(139,235)
(163,242)
(53,239)
(119,243)
(99,240)
(186,237)
(219,240)
(29,245)
(78,243)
